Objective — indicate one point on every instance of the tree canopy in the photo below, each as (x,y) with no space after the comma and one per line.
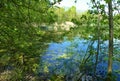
(25,31)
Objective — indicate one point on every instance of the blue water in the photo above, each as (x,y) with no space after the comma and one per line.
(65,57)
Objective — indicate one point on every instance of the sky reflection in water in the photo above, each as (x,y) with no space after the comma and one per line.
(67,55)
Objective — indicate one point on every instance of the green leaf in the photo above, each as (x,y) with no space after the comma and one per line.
(107,1)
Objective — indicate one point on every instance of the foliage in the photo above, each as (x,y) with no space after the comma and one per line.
(21,41)
(64,14)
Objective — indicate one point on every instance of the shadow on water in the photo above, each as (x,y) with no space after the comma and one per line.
(68,58)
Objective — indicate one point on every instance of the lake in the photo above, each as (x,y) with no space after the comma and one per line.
(68,56)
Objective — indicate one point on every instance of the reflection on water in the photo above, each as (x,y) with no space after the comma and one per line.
(67,56)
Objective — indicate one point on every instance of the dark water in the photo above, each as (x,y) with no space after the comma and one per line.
(67,56)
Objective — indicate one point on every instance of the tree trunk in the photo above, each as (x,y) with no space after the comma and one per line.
(109,76)
(110,40)
(110,37)
(98,45)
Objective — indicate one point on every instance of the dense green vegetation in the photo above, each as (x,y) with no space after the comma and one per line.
(25,33)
